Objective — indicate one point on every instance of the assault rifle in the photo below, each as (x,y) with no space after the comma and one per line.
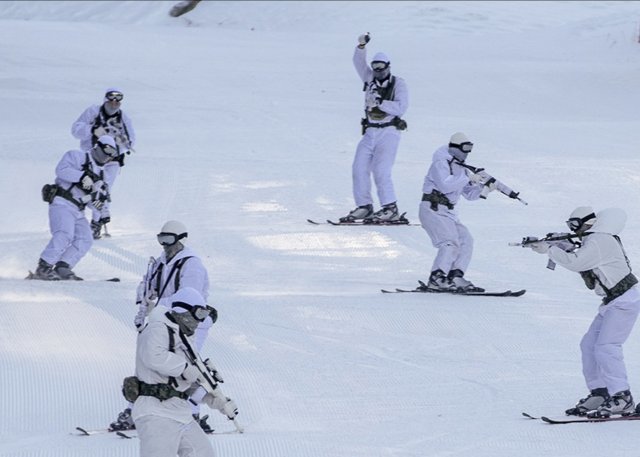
(551,238)
(487,180)
(209,378)
(565,241)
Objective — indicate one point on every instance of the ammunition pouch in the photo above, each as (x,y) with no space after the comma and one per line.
(49,192)
(396,122)
(437,198)
(131,388)
(589,279)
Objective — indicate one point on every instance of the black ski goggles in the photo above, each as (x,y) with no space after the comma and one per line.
(576,223)
(464,147)
(199,312)
(378,65)
(114,96)
(168,239)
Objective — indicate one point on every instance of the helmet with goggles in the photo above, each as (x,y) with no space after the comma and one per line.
(189,309)
(380,66)
(460,146)
(113,94)
(172,232)
(105,150)
(581,219)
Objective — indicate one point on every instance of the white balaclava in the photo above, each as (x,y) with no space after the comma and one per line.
(109,106)
(460,146)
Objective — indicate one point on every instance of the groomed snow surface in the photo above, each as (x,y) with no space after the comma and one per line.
(247,115)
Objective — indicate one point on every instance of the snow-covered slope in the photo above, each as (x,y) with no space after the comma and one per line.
(247,115)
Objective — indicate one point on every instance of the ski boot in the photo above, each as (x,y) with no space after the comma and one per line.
(620,403)
(595,399)
(359,213)
(439,282)
(44,271)
(64,272)
(388,213)
(202,422)
(460,283)
(96,228)
(123,422)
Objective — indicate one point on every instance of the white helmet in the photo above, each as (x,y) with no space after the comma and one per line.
(460,146)
(581,219)
(187,296)
(171,232)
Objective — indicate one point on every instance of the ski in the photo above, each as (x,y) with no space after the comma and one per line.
(32,277)
(89,432)
(125,436)
(577,420)
(529,416)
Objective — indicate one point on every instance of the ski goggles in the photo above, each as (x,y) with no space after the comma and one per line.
(464,147)
(199,312)
(576,223)
(168,239)
(108,150)
(114,96)
(378,65)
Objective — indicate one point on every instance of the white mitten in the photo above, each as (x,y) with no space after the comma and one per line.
(99,131)
(541,247)
(86,182)
(191,374)
(223,404)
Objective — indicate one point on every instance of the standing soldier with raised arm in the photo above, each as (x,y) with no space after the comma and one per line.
(386,100)
(106,119)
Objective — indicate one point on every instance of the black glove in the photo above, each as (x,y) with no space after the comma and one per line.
(363,40)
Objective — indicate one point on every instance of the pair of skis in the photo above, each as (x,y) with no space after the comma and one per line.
(582,419)
(130,434)
(33,277)
(402,221)
(424,289)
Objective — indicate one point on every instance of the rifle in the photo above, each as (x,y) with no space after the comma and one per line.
(487,180)
(208,379)
(553,239)
(550,237)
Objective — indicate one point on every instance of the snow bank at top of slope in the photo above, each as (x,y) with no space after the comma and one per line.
(321,16)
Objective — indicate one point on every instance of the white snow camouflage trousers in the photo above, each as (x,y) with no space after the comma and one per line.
(71,236)
(375,155)
(602,358)
(449,236)
(164,437)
